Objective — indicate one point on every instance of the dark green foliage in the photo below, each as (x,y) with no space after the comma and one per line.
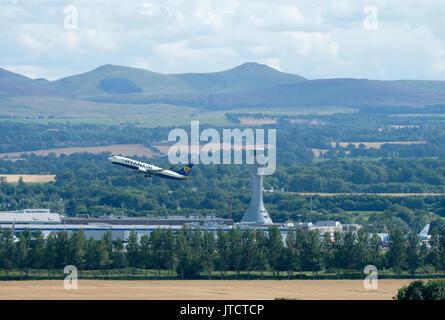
(397,250)
(413,255)
(274,248)
(193,253)
(119,85)
(418,290)
(188,253)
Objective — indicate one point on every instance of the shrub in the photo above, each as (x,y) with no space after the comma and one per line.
(418,290)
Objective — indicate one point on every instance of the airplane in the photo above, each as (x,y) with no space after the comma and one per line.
(424,236)
(148,170)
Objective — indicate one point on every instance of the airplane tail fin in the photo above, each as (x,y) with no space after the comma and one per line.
(185,170)
(425,230)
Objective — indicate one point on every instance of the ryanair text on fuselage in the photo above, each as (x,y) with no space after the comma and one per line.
(150,170)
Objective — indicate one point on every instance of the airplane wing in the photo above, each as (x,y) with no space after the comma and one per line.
(149,171)
(146,170)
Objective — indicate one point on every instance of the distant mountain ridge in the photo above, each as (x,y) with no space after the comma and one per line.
(250,85)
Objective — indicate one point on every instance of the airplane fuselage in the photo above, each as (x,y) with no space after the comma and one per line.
(147,169)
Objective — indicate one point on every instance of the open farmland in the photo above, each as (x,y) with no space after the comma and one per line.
(375,145)
(257,122)
(35,178)
(202,289)
(124,149)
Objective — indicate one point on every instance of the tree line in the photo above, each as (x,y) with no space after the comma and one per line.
(193,253)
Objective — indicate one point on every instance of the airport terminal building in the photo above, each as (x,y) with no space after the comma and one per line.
(121,226)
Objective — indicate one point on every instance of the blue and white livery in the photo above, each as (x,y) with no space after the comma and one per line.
(148,169)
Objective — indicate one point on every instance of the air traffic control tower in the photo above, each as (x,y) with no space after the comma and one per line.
(256,213)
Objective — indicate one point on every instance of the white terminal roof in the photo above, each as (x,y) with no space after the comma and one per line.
(30,217)
(93,227)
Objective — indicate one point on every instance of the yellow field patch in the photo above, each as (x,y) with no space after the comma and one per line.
(124,149)
(248,121)
(201,289)
(375,145)
(39,178)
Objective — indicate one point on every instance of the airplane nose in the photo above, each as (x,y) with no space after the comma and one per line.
(110,159)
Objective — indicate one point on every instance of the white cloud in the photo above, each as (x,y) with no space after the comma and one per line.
(291,15)
(317,40)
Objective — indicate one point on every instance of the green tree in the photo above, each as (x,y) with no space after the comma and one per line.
(298,249)
(235,249)
(108,239)
(50,252)
(117,255)
(22,252)
(133,249)
(413,252)
(287,261)
(312,255)
(434,290)
(168,253)
(362,252)
(397,250)
(104,261)
(348,251)
(183,253)
(76,249)
(248,251)
(414,291)
(188,265)
(145,254)
(433,256)
(274,248)
(222,251)
(195,241)
(6,250)
(208,252)
(292,257)
(328,250)
(418,290)
(374,250)
(442,250)
(62,249)
(38,251)
(261,251)
(91,254)
(155,254)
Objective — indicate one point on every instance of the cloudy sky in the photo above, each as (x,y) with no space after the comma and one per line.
(375,39)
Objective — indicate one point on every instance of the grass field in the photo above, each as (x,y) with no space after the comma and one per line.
(201,289)
(56,110)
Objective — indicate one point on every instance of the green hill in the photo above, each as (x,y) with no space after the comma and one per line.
(88,84)
(247,76)
(250,85)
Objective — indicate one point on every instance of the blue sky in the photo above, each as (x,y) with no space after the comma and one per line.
(315,39)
